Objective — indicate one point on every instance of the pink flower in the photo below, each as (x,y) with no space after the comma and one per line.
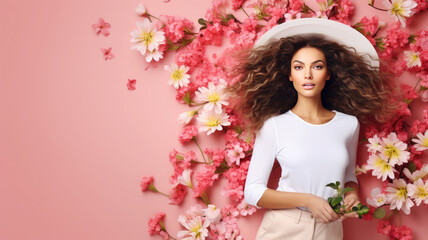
(235,155)
(246,209)
(384,227)
(174,27)
(396,38)
(204,178)
(156,225)
(177,194)
(236,4)
(189,132)
(370,26)
(217,155)
(401,233)
(131,84)
(101,27)
(146,182)
(107,53)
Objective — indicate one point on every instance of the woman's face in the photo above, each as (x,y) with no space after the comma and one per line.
(309,72)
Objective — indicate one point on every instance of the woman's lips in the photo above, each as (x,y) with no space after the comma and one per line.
(308,86)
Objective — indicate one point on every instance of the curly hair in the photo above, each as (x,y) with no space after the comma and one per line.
(263,89)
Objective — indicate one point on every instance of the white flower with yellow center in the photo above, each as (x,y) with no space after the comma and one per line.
(186,117)
(213,96)
(155,54)
(212,121)
(412,59)
(400,9)
(196,228)
(397,195)
(141,10)
(179,77)
(422,141)
(213,214)
(416,174)
(418,191)
(184,178)
(374,144)
(381,167)
(146,37)
(394,150)
(378,198)
(361,170)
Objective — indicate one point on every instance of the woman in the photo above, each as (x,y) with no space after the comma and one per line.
(303,96)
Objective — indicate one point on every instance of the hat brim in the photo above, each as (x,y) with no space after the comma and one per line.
(331,30)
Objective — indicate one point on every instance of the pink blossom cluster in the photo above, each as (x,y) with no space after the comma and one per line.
(174,27)
(155,225)
(394,232)
(396,38)
(205,178)
(188,133)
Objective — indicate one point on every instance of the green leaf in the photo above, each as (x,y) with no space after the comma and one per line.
(336,201)
(187,99)
(379,213)
(348,189)
(412,167)
(202,22)
(332,185)
(422,88)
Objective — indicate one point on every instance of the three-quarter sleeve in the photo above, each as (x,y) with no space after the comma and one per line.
(352,148)
(261,164)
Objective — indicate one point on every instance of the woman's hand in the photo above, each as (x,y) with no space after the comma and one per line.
(321,209)
(351,200)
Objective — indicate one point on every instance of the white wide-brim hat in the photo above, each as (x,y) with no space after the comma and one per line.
(331,30)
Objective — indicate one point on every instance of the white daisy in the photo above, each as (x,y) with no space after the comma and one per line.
(416,174)
(212,121)
(381,167)
(374,144)
(196,228)
(378,198)
(146,37)
(141,10)
(422,142)
(397,195)
(394,150)
(179,77)
(418,191)
(213,214)
(412,59)
(400,9)
(186,117)
(155,54)
(213,96)
(184,178)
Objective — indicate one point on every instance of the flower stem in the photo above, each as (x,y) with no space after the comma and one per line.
(203,155)
(385,10)
(244,11)
(153,16)
(419,81)
(154,189)
(170,236)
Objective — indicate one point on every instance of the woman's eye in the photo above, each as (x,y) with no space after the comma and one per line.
(318,66)
(297,67)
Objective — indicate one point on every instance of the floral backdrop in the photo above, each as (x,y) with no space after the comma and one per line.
(394,150)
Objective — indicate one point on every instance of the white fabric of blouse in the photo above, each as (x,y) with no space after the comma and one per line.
(310,155)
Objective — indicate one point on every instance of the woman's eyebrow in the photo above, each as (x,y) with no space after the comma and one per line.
(312,62)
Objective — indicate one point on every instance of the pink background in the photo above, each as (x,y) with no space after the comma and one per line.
(75,141)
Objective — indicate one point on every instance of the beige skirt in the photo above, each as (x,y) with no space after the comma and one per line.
(296,224)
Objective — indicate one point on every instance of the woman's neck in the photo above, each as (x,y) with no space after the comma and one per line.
(312,110)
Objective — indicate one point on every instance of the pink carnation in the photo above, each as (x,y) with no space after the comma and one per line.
(408,92)
(156,225)
(177,194)
(236,4)
(418,127)
(384,227)
(191,55)
(212,35)
(145,183)
(396,38)
(205,178)
(189,132)
(401,233)
(174,27)
(370,26)
(422,6)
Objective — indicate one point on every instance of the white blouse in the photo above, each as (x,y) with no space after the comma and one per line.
(310,155)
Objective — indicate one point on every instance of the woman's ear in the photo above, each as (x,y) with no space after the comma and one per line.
(328,76)
(289,77)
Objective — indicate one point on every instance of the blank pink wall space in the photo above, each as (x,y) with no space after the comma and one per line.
(75,141)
